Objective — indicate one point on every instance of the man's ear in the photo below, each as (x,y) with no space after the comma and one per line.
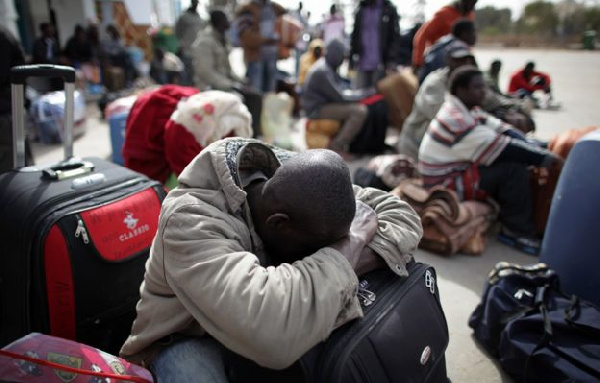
(277,221)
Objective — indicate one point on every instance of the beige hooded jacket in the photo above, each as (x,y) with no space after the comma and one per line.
(208,272)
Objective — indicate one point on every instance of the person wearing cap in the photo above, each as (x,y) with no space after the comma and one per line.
(463,33)
(429,99)
(479,156)
(440,25)
(314,52)
(327,96)
(254,256)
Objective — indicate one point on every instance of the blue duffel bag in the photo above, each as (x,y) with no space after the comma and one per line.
(538,332)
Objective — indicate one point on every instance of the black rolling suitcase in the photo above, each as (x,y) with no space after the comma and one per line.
(75,238)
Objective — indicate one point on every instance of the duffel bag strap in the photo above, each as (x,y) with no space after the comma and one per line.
(574,311)
(546,340)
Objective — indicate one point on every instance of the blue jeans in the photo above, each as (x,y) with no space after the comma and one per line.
(197,359)
(263,75)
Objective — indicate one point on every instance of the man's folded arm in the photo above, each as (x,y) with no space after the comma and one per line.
(400,228)
(271,315)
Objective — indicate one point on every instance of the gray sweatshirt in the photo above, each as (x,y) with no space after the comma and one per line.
(323,84)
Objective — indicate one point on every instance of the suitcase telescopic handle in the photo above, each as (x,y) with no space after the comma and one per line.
(19,74)
(18,77)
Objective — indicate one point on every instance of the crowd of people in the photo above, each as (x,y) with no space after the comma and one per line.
(284,235)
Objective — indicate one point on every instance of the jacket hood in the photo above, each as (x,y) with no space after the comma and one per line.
(217,167)
(335,53)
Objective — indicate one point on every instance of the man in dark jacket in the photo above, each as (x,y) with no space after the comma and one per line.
(374,45)
(45,47)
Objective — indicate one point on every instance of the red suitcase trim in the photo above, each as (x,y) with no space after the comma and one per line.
(59,285)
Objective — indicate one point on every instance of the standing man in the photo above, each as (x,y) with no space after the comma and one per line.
(333,26)
(186,29)
(439,26)
(45,48)
(302,42)
(212,69)
(259,39)
(374,45)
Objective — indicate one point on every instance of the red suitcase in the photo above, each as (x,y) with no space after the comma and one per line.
(75,238)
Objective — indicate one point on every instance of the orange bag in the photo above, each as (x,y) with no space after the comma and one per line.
(561,144)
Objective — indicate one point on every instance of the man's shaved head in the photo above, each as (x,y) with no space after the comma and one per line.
(307,204)
(316,184)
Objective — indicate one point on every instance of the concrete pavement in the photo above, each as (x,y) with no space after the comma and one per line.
(576,83)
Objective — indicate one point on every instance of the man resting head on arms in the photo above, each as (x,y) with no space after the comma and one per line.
(258,252)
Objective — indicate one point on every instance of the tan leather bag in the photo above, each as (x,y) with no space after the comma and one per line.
(399,90)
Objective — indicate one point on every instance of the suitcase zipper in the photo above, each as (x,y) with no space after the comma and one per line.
(344,349)
(81,230)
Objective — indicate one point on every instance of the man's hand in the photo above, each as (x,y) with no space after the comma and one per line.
(369,261)
(363,229)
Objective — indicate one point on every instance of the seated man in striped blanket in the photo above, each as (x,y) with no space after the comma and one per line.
(479,156)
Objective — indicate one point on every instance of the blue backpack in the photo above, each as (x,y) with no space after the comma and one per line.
(538,333)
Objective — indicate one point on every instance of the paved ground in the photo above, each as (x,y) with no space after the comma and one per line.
(576,79)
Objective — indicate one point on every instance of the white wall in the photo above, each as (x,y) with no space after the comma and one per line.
(68,14)
(39,14)
(8,17)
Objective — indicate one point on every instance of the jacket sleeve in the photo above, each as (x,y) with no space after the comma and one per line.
(204,65)
(430,97)
(422,37)
(271,315)
(400,228)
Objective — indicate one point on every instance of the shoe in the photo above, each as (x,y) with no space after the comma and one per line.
(526,244)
